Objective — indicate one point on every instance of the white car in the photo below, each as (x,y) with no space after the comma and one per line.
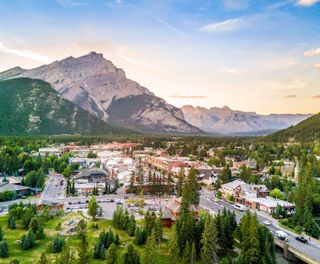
(266,222)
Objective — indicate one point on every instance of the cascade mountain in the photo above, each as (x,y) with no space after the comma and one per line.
(97,86)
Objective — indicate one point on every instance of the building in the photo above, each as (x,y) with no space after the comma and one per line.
(172,212)
(269,204)
(242,191)
(49,152)
(17,189)
(87,181)
(51,206)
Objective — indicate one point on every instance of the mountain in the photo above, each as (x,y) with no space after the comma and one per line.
(96,85)
(306,131)
(232,122)
(33,107)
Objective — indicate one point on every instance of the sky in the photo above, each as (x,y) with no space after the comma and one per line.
(251,55)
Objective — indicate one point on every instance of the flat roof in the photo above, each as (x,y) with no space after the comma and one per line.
(271,202)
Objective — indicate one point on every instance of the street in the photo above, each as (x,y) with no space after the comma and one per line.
(310,248)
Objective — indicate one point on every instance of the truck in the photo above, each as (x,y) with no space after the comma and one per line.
(282,235)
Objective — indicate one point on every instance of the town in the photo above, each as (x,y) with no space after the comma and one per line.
(143,177)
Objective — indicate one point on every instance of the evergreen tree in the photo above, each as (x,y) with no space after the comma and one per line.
(179,184)
(187,254)
(111,254)
(193,255)
(1,234)
(139,236)
(131,255)
(190,192)
(43,259)
(209,249)
(57,244)
(67,256)
(173,247)
(158,230)
(12,222)
(83,244)
(4,250)
(150,254)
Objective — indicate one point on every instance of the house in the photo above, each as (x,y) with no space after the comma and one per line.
(172,212)
(288,168)
(52,206)
(241,191)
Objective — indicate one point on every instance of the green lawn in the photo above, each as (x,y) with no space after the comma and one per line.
(32,256)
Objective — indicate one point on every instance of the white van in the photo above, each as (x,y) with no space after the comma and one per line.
(239,207)
(282,235)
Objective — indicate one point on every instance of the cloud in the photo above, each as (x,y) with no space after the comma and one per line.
(291,96)
(224,26)
(315,96)
(139,63)
(312,52)
(307,2)
(119,2)
(72,3)
(188,96)
(317,66)
(25,53)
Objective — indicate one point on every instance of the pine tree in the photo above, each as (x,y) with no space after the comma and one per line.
(131,255)
(4,250)
(43,259)
(1,234)
(111,254)
(83,244)
(150,254)
(187,254)
(209,249)
(158,230)
(12,222)
(190,192)
(173,247)
(67,256)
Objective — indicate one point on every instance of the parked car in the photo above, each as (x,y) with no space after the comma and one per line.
(302,239)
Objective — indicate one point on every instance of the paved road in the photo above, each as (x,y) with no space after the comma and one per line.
(310,249)
(54,190)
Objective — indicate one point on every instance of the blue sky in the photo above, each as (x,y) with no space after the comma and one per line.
(252,55)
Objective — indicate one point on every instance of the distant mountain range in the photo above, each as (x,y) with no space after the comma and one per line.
(306,131)
(232,122)
(33,107)
(97,86)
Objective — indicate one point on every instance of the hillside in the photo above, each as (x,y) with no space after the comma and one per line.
(99,87)
(306,131)
(33,107)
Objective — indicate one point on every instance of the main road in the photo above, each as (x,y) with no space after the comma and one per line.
(311,249)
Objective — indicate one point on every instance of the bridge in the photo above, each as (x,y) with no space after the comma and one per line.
(302,254)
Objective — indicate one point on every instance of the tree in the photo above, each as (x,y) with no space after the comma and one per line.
(209,250)
(43,259)
(4,250)
(93,208)
(111,254)
(140,236)
(1,234)
(150,254)
(193,254)
(67,256)
(173,247)
(83,244)
(131,255)
(179,184)
(58,244)
(276,193)
(158,230)
(190,192)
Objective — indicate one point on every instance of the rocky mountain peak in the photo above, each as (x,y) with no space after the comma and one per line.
(98,86)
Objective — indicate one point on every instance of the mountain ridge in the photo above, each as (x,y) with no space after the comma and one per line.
(227,121)
(96,84)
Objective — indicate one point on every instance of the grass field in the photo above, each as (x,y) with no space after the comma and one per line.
(32,256)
